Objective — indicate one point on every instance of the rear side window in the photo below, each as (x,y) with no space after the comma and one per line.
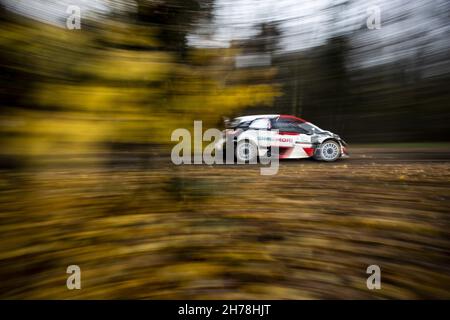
(244,124)
(237,123)
(261,124)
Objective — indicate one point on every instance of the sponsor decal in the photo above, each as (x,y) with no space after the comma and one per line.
(282,139)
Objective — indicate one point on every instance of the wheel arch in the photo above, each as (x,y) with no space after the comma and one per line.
(317,155)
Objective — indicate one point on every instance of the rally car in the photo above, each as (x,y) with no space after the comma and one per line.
(253,137)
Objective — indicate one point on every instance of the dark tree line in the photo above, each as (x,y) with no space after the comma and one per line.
(384,103)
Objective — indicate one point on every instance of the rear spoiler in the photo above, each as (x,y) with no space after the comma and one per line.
(226,121)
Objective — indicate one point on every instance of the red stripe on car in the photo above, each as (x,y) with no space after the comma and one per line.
(284,116)
(285,152)
(309,151)
(286,133)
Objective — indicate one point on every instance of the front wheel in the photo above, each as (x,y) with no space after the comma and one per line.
(328,151)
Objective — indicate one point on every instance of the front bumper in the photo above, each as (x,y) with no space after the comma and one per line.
(344,151)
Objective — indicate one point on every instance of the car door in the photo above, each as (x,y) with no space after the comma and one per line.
(288,133)
(294,141)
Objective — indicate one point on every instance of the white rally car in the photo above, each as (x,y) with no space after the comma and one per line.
(253,136)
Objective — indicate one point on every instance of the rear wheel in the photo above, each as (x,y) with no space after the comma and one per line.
(329,151)
(246,152)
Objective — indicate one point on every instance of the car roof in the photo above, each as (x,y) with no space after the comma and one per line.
(268,116)
(258,116)
(286,116)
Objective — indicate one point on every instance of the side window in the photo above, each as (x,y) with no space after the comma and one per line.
(284,125)
(243,124)
(287,125)
(260,124)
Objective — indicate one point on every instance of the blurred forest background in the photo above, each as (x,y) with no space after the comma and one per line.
(81,108)
(127,79)
(130,76)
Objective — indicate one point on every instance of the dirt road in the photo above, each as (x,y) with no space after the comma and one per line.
(142,229)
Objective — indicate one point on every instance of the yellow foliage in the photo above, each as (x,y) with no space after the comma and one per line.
(94,87)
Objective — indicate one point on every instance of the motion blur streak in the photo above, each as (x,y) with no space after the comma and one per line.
(85,123)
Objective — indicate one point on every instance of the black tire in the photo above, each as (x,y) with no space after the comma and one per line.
(329,151)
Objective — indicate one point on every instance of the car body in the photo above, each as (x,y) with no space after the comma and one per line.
(254,136)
